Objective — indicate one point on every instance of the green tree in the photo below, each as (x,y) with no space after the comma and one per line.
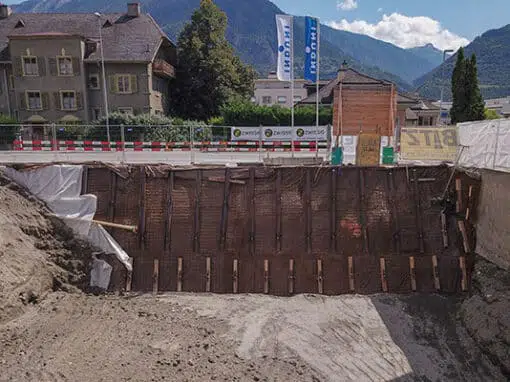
(468,103)
(476,105)
(208,73)
(491,114)
(459,108)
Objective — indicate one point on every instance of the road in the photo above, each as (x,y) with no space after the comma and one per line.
(177,158)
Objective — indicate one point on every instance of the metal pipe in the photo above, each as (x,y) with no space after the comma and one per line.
(445,52)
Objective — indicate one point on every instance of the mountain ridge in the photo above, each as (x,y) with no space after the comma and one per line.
(492,51)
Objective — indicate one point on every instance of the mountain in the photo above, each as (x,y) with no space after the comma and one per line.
(369,51)
(492,51)
(252,32)
(429,53)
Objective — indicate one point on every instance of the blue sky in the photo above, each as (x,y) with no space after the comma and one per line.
(445,23)
(406,23)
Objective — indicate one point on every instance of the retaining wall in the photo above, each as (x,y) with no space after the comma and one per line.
(286,230)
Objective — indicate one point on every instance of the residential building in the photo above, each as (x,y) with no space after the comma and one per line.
(51,65)
(271,91)
(498,104)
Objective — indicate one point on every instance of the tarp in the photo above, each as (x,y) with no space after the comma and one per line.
(60,188)
(485,144)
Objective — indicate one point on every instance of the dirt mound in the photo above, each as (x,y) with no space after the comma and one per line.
(486,313)
(38,253)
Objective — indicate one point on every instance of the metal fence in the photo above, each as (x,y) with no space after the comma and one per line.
(53,137)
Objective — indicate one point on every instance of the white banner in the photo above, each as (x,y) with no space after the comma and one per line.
(285,30)
(280,133)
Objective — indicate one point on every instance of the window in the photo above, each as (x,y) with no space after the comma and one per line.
(125,110)
(123,84)
(266,100)
(297,99)
(34,101)
(30,67)
(96,113)
(68,100)
(282,99)
(11,82)
(94,81)
(65,66)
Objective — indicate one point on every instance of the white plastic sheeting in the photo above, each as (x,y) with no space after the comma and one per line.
(486,144)
(60,188)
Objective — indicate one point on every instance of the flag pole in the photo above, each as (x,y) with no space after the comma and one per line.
(317,88)
(292,84)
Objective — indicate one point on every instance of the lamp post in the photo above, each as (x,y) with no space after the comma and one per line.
(105,92)
(445,52)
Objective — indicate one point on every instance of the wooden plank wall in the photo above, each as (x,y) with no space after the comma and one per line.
(283,231)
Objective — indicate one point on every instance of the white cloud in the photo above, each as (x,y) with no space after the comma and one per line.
(405,31)
(347,5)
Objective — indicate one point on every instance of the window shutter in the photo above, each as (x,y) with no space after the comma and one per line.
(45,101)
(53,66)
(112,81)
(41,63)
(22,101)
(56,100)
(76,66)
(79,100)
(18,67)
(134,83)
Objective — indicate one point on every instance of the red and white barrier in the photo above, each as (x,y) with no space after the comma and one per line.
(205,146)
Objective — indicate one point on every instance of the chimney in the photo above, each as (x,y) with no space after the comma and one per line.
(341,72)
(5,11)
(133,9)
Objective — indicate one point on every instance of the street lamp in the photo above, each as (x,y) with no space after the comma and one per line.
(105,92)
(445,52)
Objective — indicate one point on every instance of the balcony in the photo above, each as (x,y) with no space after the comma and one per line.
(162,68)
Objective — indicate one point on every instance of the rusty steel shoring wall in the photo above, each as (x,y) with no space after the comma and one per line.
(282,231)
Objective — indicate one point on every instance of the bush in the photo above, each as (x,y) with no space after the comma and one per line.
(248,114)
(491,114)
(9,130)
(147,127)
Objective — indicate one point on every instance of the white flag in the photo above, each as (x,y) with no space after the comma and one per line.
(284,26)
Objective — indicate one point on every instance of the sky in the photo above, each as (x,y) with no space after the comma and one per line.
(447,24)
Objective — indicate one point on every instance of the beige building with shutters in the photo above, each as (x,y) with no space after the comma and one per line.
(51,65)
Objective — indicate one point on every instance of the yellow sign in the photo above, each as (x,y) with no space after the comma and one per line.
(369,150)
(429,143)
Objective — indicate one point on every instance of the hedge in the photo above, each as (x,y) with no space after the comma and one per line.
(142,127)
(9,130)
(249,114)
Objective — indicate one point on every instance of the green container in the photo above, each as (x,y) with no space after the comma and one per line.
(337,156)
(388,155)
